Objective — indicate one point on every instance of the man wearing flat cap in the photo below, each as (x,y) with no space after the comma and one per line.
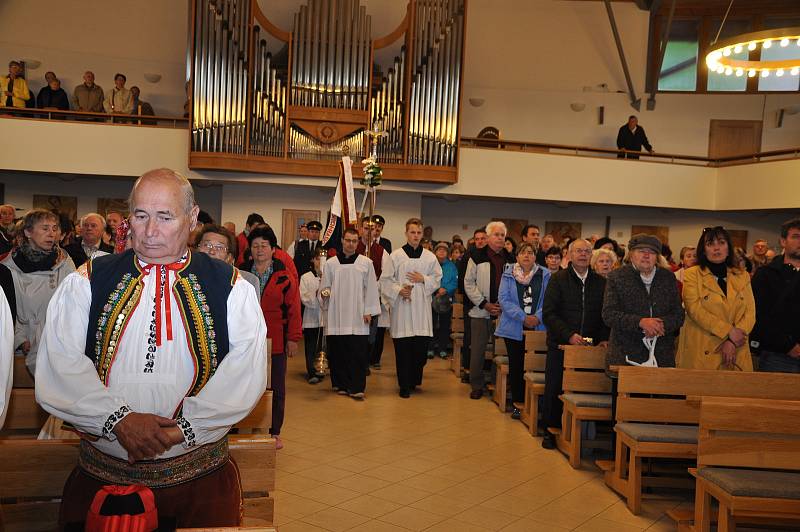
(378,222)
(306,249)
(642,306)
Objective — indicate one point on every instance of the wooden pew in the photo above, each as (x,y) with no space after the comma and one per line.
(25,417)
(586,396)
(658,410)
(535,357)
(500,361)
(457,336)
(22,377)
(33,474)
(747,460)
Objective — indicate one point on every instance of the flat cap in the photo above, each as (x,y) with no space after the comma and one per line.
(643,240)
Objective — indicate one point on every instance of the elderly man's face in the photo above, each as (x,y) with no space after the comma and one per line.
(160,226)
(496,239)
(88,78)
(581,254)
(644,259)
(91,230)
(113,219)
(6,215)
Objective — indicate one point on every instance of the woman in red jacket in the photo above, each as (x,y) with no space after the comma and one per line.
(280,302)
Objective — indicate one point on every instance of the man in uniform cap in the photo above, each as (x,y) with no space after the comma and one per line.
(306,249)
(378,222)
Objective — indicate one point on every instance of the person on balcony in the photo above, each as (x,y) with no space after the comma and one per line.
(87,96)
(120,99)
(53,96)
(14,87)
(631,137)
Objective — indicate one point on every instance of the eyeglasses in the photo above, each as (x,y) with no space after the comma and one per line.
(208,246)
(582,250)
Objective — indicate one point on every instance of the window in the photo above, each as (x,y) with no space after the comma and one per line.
(721,82)
(776,52)
(679,68)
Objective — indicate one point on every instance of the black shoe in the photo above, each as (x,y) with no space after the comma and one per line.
(549,440)
(476,394)
(515,414)
(404,393)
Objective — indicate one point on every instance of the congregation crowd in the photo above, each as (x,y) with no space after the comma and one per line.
(87,97)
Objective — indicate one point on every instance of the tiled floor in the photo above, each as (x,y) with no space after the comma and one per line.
(436,462)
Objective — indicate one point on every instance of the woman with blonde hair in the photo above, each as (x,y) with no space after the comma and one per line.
(720,309)
(603,261)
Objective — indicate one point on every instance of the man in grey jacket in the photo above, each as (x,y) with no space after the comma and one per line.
(481,283)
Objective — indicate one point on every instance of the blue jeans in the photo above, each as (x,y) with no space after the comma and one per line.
(778,362)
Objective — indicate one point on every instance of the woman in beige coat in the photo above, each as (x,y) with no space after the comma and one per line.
(720,309)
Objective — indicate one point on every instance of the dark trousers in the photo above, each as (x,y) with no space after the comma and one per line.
(466,344)
(411,356)
(312,341)
(553,376)
(778,362)
(516,368)
(376,336)
(441,331)
(278,387)
(213,500)
(348,361)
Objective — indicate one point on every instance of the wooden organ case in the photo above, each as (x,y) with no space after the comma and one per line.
(290,110)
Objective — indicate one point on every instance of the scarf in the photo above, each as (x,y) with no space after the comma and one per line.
(31,260)
(520,276)
(720,272)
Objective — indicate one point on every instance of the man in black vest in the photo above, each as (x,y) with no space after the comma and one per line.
(305,250)
(152,355)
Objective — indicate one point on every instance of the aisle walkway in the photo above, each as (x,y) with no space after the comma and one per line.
(436,462)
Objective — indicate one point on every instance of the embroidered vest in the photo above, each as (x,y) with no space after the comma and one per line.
(201,291)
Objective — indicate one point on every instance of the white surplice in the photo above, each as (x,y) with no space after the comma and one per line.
(410,317)
(67,384)
(6,355)
(354,294)
(309,296)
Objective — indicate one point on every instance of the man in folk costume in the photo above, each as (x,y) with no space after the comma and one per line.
(407,283)
(306,250)
(379,258)
(349,292)
(6,356)
(152,355)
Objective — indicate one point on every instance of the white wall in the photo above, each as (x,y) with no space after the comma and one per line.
(462,216)
(21,187)
(132,37)
(529,59)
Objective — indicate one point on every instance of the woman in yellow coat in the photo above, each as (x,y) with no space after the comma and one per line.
(720,309)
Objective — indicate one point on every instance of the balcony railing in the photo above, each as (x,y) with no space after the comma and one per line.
(668,158)
(95,118)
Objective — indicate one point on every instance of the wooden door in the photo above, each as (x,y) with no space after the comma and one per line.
(727,138)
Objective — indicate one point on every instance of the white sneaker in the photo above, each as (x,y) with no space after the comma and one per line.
(359,395)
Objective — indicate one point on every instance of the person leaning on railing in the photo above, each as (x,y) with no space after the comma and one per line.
(14,87)
(52,96)
(87,96)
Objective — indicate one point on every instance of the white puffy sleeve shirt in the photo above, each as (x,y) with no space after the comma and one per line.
(67,384)
(6,355)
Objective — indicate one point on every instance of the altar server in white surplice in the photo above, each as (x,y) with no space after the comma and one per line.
(152,355)
(407,283)
(6,355)
(349,292)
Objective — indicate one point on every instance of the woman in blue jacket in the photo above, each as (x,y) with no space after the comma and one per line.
(521,295)
(447,288)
